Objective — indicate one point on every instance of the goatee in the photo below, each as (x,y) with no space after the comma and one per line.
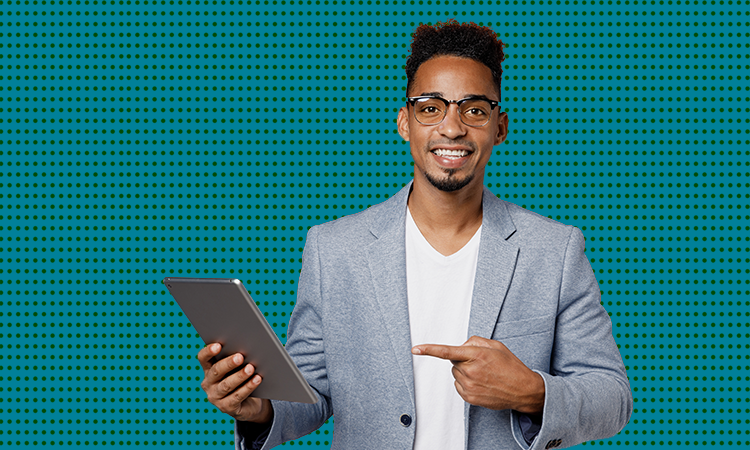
(449,184)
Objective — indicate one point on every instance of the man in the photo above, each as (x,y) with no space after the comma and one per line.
(387,298)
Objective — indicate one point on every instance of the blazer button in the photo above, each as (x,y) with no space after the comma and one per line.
(405,420)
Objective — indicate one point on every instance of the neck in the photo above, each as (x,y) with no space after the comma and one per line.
(446,213)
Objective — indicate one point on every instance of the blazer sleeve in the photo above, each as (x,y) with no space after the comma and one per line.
(587,390)
(292,420)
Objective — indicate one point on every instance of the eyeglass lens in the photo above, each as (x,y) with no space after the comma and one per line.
(473,112)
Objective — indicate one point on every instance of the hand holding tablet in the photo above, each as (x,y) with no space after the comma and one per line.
(231,392)
(242,349)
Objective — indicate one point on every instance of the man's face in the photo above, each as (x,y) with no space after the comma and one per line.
(451,154)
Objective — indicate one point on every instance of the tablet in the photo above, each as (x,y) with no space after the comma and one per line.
(222,311)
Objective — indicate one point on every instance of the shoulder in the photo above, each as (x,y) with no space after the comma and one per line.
(350,230)
(534,227)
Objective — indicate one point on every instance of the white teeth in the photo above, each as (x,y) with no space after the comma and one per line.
(455,153)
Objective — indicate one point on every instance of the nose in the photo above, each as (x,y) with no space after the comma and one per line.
(452,127)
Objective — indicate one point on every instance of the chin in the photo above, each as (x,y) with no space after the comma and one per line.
(449,183)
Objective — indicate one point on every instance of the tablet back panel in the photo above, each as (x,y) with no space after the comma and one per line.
(222,311)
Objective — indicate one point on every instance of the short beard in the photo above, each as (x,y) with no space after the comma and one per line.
(449,184)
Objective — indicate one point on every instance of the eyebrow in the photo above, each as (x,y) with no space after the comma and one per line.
(440,94)
(480,96)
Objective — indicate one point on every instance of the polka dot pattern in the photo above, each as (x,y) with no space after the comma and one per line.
(144,139)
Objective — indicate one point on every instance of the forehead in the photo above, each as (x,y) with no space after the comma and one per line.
(454,78)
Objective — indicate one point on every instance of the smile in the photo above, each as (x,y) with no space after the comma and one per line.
(450,154)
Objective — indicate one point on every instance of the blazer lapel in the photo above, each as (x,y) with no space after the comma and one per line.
(495,266)
(387,262)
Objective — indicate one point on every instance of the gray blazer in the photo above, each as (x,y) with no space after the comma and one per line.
(534,291)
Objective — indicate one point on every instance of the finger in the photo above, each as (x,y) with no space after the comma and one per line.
(449,352)
(460,389)
(458,375)
(233,403)
(227,386)
(206,353)
(219,370)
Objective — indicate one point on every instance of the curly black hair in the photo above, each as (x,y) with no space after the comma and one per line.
(467,40)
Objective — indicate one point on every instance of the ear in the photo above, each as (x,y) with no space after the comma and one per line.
(502,129)
(402,123)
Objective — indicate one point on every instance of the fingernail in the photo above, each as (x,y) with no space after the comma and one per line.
(256,379)
(237,359)
(416,351)
(215,348)
(248,369)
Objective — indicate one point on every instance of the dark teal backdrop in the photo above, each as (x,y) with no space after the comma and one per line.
(144,139)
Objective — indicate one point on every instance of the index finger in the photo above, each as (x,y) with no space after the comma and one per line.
(206,353)
(449,352)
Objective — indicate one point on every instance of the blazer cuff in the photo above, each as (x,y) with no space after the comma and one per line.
(530,426)
(526,431)
(250,436)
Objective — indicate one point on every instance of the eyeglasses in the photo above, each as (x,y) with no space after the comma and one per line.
(474,112)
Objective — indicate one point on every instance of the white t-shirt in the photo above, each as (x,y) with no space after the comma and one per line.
(439,293)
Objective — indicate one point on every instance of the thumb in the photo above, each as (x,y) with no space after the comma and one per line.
(477,341)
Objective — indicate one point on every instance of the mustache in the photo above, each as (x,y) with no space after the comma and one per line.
(463,143)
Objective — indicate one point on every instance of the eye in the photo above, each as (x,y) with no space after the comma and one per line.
(476,109)
(475,112)
(430,107)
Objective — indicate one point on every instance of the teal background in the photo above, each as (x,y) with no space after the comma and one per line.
(144,139)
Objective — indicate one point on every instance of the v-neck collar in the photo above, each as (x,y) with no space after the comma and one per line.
(433,253)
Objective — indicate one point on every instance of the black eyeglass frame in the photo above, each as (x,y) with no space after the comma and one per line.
(412,100)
